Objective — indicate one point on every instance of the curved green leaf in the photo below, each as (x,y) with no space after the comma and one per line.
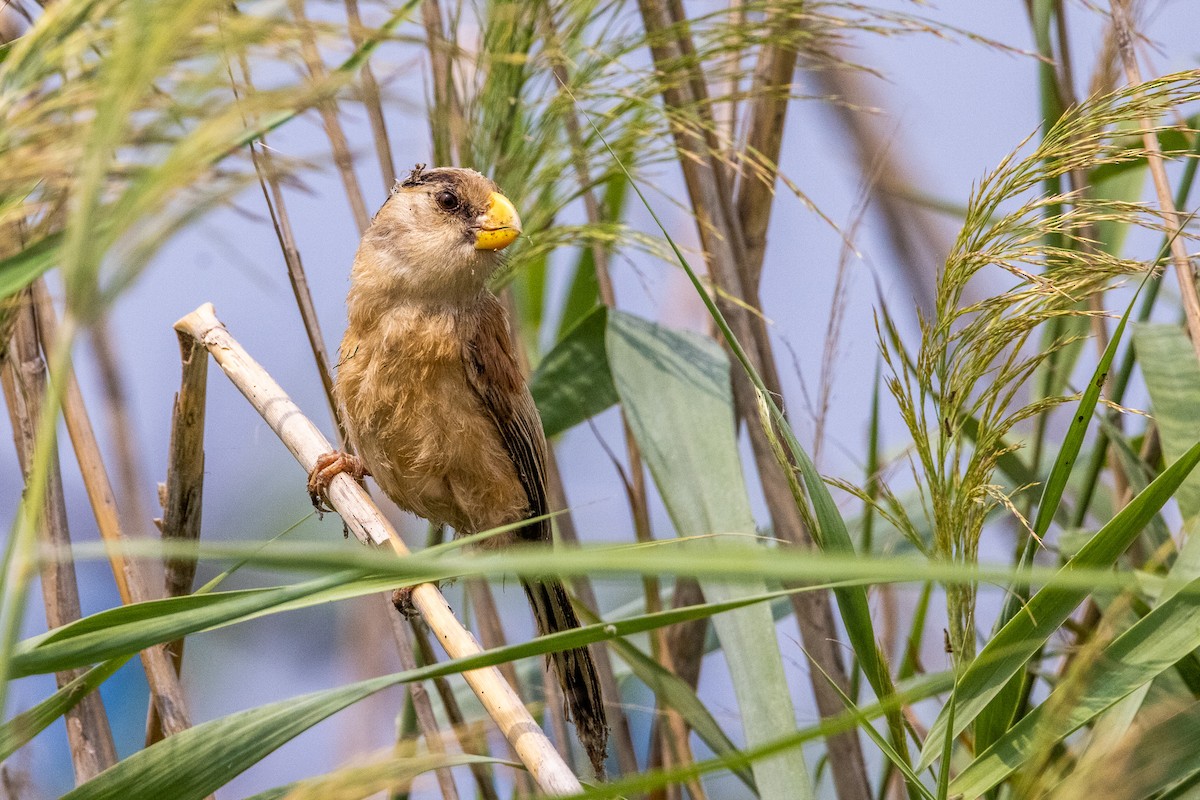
(1151,646)
(1012,646)
(675,390)
(573,383)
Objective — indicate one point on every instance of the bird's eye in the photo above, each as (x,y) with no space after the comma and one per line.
(448,201)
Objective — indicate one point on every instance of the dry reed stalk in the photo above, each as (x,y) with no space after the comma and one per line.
(764,137)
(307,443)
(420,698)
(185,465)
(131,477)
(1154,158)
(165,690)
(724,243)
(329,118)
(88,733)
(446,120)
(370,98)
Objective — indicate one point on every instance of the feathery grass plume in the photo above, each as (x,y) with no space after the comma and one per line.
(508,88)
(120,128)
(973,359)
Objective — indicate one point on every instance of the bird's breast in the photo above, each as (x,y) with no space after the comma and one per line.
(419,426)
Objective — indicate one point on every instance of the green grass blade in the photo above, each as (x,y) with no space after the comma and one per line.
(894,758)
(1008,651)
(20,270)
(128,629)
(195,762)
(673,692)
(1060,473)
(831,534)
(920,688)
(18,731)
(1151,646)
(1151,761)
(675,391)
(998,714)
(363,780)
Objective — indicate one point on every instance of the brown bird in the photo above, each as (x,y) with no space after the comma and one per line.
(433,397)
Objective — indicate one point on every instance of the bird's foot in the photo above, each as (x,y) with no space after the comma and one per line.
(328,466)
(402,600)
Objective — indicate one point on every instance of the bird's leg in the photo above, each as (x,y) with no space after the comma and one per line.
(327,466)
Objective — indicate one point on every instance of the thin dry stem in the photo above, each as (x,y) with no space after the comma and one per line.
(1154,158)
(260,156)
(370,97)
(363,519)
(329,118)
(420,698)
(88,733)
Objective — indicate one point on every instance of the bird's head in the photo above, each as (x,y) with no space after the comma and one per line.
(439,235)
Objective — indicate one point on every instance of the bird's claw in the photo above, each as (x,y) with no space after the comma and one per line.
(402,600)
(327,466)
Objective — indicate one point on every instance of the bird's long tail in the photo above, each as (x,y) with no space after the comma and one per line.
(575,668)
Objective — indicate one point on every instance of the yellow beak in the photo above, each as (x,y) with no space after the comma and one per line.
(501,225)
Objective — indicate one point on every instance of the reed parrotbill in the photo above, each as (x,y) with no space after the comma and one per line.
(434,400)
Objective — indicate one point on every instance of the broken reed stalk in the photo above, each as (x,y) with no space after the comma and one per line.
(182,493)
(88,732)
(165,690)
(365,521)
(185,464)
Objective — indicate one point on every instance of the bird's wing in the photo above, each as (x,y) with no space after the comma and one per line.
(493,372)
